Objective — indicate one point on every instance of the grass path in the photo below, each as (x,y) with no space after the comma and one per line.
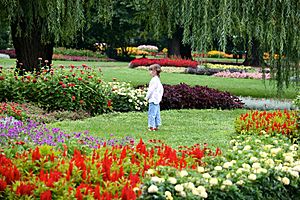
(180,127)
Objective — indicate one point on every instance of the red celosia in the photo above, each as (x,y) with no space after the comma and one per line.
(47,195)
(25,189)
(3,185)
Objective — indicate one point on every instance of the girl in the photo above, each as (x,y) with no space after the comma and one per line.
(154,96)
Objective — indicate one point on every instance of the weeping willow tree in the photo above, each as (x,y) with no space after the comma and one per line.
(37,25)
(273,24)
(163,18)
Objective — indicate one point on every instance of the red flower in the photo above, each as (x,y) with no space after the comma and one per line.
(46,195)
(73,98)
(25,189)
(80,79)
(3,185)
(109,103)
(34,80)
(2,78)
(63,85)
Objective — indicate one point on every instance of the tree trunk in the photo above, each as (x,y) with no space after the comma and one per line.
(254,55)
(177,48)
(29,48)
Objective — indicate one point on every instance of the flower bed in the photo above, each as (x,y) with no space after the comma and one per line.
(163,62)
(197,97)
(243,75)
(67,167)
(268,122)
(255,167)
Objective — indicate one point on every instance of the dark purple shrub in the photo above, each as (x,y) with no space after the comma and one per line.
(183,96)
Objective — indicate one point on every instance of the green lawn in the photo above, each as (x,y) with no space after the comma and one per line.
(180,127)
(238,87)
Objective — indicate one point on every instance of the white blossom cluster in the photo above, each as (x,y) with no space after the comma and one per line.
(251,159)
(149,48)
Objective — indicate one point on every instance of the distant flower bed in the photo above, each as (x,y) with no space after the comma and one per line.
(163,62)
(78,58)
(11,53)
(249,75)
(166,69)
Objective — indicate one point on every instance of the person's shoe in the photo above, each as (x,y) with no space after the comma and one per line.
(151,129)
(156,129)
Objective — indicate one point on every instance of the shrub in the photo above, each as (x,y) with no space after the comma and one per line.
(72,89)
(163,62)
(255,167)
(197,97)
(268,122)
(11,53)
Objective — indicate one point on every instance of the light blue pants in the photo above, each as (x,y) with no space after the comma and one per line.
(154,115)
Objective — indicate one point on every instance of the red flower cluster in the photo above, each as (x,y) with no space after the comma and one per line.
(108,173)
(163,62)
(284,122)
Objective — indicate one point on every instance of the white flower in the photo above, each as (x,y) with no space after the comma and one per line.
(153,189)
(268,146)
(182,193)
(168,194)
(289,159)
(247,147)
(227,182)
(263,154)
(296,168)
(179,188)
(240,182)
(195,192)
(285,181)
(135,189)
(172,180)
(252,177)
(246,166)
(294,173)
(203,195)
(206,175)
(227,165)
(190,185)
(240,170)
(294,147)
(270,162)
(258,141)
(150,171)
(261,170)
(256,165)
(218,168)
(183,173)
(201,189)
(228,175)
(200,169)
(213,181)
(275,151)
(156,179)
(253,159)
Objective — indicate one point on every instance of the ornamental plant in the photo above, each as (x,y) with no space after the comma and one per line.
(163,62)
(183,96)
(255,167)
(126,98)
(268,122)
(148,48)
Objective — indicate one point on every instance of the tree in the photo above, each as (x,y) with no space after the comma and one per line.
(37,25)
(164,18)
(271,26)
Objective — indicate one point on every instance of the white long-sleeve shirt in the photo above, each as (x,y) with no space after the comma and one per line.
(155,91)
